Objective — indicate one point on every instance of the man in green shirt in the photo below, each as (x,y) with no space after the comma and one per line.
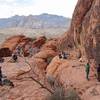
(87,69)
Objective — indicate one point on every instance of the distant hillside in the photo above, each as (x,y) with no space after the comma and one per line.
(35,21)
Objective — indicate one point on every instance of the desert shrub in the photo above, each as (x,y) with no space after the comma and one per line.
(71,95)
(59,94)
(33,39)
(49,59)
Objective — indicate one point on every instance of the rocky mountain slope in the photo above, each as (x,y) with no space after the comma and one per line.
(35,21)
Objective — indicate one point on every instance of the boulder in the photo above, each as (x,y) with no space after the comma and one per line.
(25,43)
(39,41)
(50,45)
(13,70)
(12,42)
(45,54)
(26,89)
(52,68)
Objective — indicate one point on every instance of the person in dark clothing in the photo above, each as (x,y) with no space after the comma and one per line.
(64,55)
(60,56)
(14,57)
(87,69)
(98,73)
(0,76)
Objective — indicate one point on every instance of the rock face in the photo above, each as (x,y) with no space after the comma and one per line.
(24,41)
(85,29)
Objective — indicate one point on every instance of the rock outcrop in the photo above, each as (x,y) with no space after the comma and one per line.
(85,29)
(25,42)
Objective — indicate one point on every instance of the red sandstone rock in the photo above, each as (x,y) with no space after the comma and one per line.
(45,54)
(52,44)
(85,29)
(25,43)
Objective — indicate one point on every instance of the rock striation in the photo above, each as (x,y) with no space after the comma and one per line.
(84,31)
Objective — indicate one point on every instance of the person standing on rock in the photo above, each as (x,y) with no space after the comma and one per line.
(19,50)
(14,57)
(87,69)
(0,76)
(98,73)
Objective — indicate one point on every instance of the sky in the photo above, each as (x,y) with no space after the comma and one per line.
(35,7)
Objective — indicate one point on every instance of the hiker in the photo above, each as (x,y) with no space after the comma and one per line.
(30,51)
(98,73)
(14,57)
(19,50)
(0,76)
(64,55)
(87,69)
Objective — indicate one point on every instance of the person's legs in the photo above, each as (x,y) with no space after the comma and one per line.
(0,82)
(87,75)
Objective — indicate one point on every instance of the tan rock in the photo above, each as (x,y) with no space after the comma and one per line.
(12,70)
(45,54)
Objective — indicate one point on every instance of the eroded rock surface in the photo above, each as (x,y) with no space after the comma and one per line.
(85,29)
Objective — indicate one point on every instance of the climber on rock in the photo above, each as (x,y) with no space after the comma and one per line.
(87,69)
(98,73)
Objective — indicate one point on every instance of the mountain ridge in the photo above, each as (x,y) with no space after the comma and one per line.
(35,21)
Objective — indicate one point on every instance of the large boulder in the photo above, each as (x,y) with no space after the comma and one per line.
(13,70)
(51,44)
(45,54)
(25,42)
(24,89)
(39,41)
(12,42)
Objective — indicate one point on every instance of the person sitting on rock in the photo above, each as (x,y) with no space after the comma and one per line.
(98,73)
(87,70)
(1,76)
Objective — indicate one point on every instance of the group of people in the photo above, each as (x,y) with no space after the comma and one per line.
(63,55)
(87,69)
(19,52)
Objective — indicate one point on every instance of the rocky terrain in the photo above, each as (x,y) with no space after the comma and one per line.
(33,26)
(45,76)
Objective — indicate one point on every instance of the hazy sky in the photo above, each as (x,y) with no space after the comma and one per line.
(35,7)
